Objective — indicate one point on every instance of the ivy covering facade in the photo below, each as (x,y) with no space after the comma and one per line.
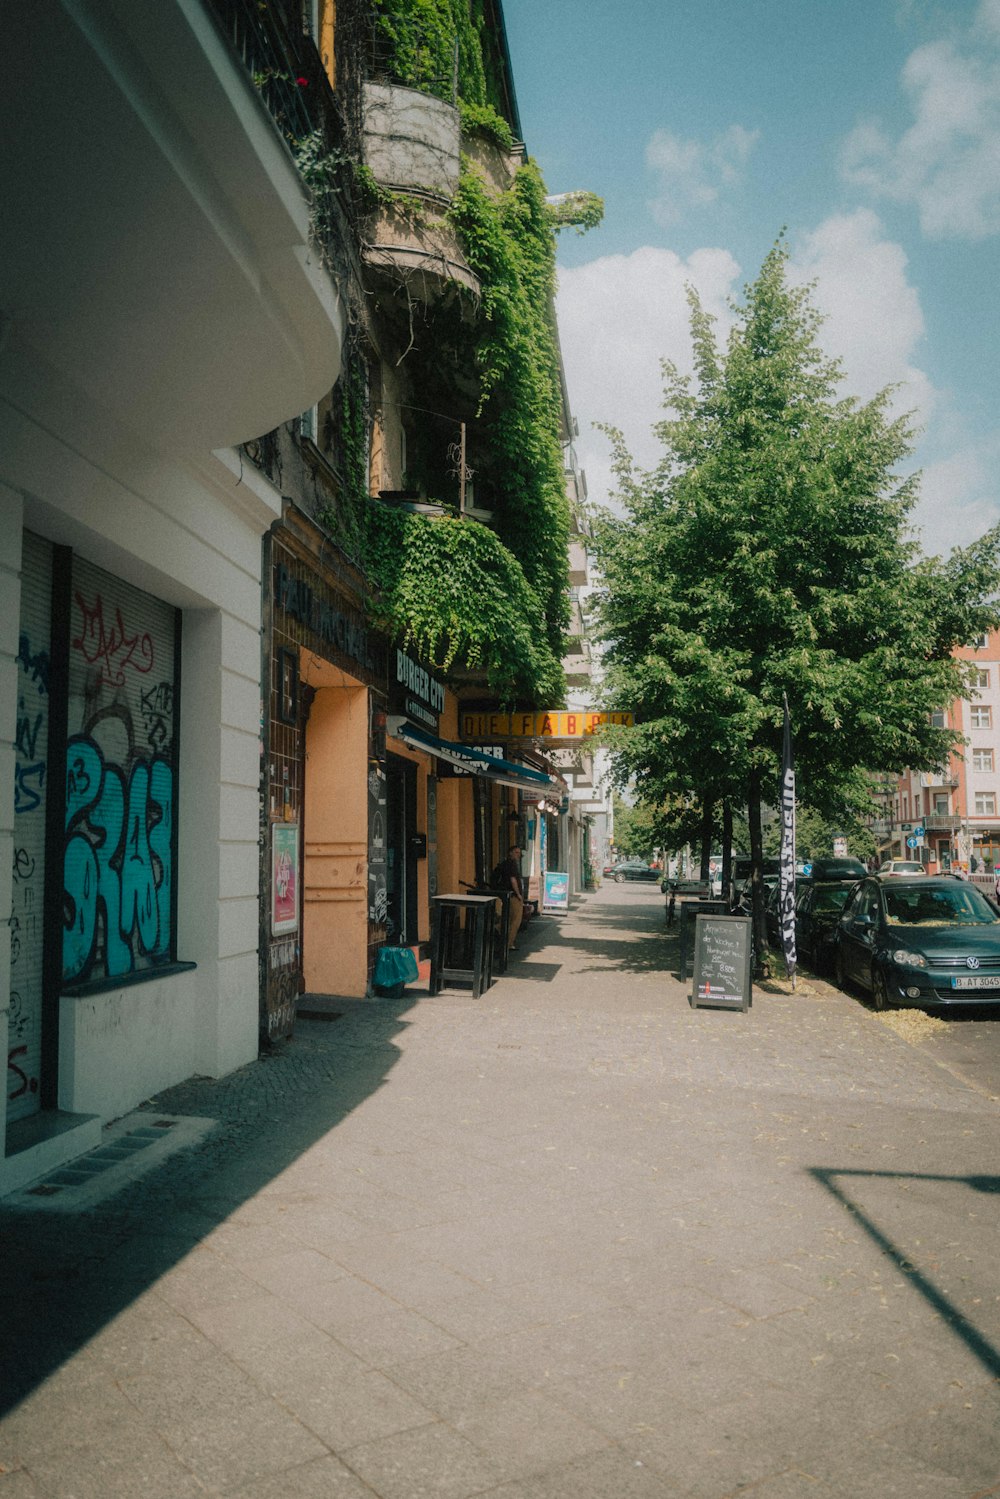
(493,600)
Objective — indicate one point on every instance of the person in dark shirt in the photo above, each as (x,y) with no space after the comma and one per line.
(510,878)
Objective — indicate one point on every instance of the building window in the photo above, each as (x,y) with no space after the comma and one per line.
(941,804)
(983,677)
(982,718)
(982,759)
(980,643)
(938,719)
(120,848)
(986,804)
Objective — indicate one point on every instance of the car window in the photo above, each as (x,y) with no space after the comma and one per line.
(865,903)
(851,909)
(831,900)
(957,905)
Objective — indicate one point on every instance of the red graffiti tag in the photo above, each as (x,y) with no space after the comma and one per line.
(109,645)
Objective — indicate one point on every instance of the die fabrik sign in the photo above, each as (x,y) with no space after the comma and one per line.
(543,725)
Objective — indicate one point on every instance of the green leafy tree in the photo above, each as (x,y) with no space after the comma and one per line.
(768,554)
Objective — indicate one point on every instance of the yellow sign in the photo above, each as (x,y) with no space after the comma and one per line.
(478,727)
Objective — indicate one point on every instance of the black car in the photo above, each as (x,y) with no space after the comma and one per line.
(635,869)
(818,905)
(925,940)
(844,868)
(818,909)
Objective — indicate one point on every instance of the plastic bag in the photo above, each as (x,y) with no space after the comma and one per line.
(395,965)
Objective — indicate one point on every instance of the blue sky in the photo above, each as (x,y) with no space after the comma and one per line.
(868,129)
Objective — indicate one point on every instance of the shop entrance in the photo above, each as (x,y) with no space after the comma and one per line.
(401,859)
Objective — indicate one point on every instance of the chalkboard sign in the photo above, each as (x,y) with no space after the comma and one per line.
(722,962)
(690,909)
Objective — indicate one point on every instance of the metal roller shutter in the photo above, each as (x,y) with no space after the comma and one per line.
(120,779)
(31,756)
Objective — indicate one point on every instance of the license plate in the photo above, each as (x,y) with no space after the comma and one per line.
(973,981)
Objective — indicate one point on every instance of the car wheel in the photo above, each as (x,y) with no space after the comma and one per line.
(619,879)
(880,990)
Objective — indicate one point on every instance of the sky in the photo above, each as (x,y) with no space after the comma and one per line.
(867,130)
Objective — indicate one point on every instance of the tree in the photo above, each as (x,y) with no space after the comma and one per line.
(768,553)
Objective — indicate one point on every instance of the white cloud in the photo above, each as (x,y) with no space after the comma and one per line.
(619,317)
(947,163)
(691,172)
(874,323)
(959,499)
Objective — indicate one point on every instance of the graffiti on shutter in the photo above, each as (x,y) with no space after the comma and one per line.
(120,771)
(30,766)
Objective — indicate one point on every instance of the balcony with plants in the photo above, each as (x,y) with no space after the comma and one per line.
(459,249)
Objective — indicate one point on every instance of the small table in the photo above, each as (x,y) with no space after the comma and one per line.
(462,930)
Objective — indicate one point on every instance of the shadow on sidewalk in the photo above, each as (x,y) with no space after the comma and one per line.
(835,1182)
(67,1273)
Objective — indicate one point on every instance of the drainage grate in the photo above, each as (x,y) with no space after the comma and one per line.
(122,1157)
(95,1161)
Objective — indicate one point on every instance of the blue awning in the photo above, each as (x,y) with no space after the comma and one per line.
(476,762)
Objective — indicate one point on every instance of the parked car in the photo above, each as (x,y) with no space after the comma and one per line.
(838,869)
(817,916)
(925,940)
(744,890)
(740,875)
(902,866)
(635,869)
(609,869)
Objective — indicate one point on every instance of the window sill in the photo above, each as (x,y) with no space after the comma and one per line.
(125,980)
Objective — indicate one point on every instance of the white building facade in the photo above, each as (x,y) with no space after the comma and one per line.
(162,304)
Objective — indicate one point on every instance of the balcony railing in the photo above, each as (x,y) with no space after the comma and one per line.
(281,60)
(942,821)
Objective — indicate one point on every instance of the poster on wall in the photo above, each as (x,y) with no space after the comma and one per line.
(284,877)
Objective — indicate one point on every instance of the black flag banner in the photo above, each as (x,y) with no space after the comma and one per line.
(786,890)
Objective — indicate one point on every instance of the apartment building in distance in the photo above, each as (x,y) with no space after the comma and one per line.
(951,817)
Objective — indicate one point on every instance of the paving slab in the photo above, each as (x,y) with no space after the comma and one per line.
(572,1240)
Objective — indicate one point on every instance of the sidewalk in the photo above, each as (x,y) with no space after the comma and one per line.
(573,1240)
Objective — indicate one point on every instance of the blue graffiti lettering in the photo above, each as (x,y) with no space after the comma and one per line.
(28,783)
(118,864)
(36,666)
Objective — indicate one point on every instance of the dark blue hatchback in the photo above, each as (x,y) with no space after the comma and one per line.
(920,941)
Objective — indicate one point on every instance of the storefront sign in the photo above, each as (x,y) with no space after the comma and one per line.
(308,605)
(447,770)
(543,725)
(555,896)
(415,692)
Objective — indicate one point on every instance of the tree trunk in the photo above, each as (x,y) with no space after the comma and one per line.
(727,846)
(706,839)
(757,873)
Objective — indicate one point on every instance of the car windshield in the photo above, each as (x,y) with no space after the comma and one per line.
(959,905)
(831,900)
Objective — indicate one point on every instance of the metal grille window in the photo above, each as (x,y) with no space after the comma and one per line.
(121,771)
